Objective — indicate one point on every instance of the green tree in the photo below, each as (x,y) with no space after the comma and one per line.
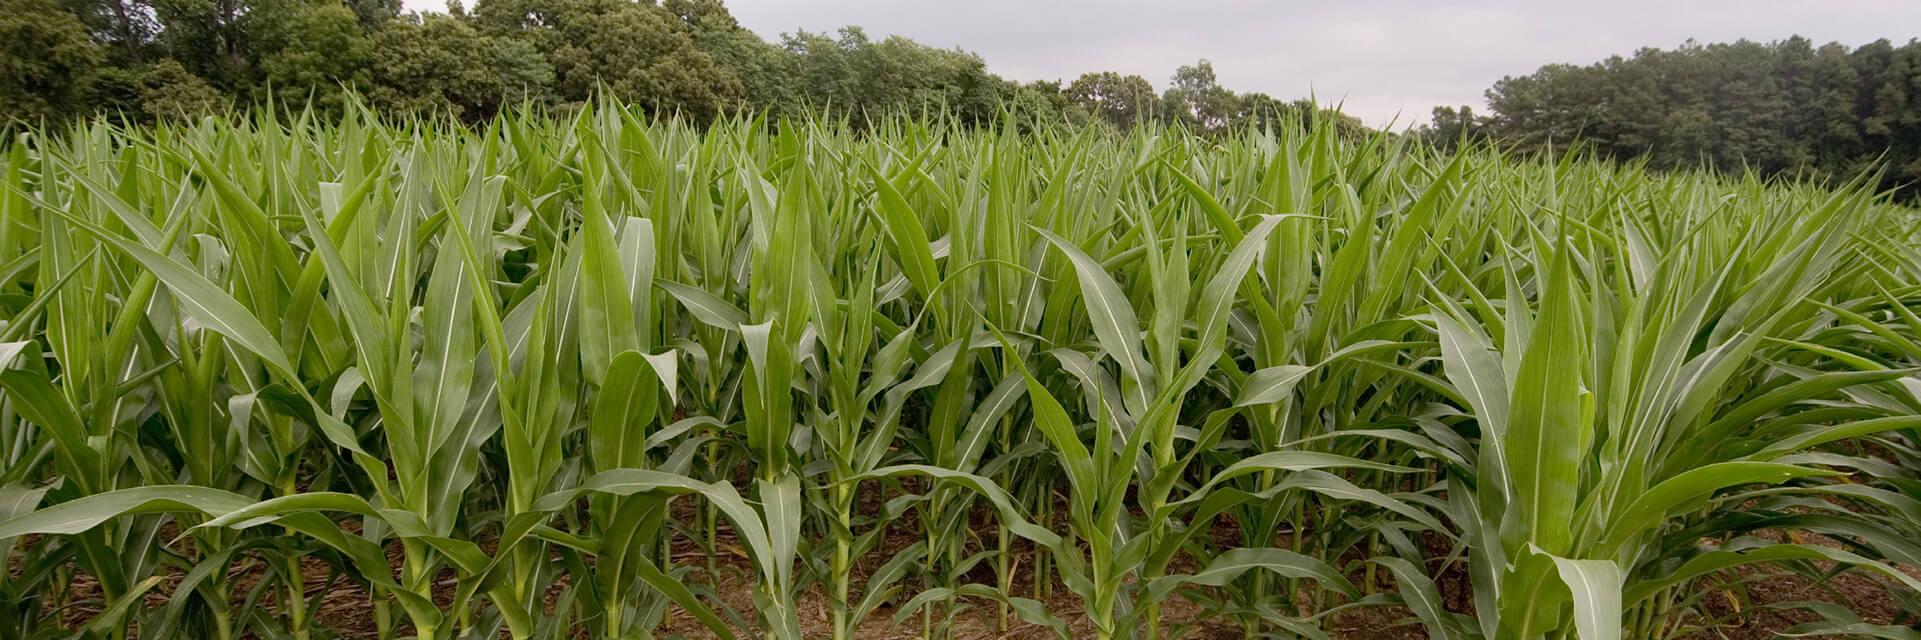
(1888,106)
(864,79)
(156,91)
(1449,127)
(1260,110)
(518,17)
(1122,101)
(639,52)
(1196,97)
(47,61)
(374,14)
(1550,108)
(1786,108)
(1822,83)
(762,67)
(442,64)
(208,38)
(124,28)
(314,48)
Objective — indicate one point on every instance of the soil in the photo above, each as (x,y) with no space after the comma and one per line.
(1738,607)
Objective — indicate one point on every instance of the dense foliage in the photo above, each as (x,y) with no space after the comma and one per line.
(143,60)
(567,376)
(1782,108)
(1786,108)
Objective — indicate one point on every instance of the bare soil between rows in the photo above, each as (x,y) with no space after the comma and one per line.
(346,611)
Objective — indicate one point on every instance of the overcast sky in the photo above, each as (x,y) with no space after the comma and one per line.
(1379,58)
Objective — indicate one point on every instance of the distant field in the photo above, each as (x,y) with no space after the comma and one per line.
(612,377)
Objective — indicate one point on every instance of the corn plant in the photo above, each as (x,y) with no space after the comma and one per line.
(603,374)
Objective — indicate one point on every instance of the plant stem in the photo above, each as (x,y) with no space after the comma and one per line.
(296,598)
(843,551)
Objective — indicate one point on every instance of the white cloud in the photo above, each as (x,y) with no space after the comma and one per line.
(1379,58)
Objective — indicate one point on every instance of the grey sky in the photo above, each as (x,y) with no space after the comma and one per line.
(1379,58)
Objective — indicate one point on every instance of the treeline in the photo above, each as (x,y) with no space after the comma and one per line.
(1786,108)
(147,59)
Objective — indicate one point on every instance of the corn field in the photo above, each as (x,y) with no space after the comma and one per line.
(601,376)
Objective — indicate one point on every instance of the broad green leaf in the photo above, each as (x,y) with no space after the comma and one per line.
(1596,587)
